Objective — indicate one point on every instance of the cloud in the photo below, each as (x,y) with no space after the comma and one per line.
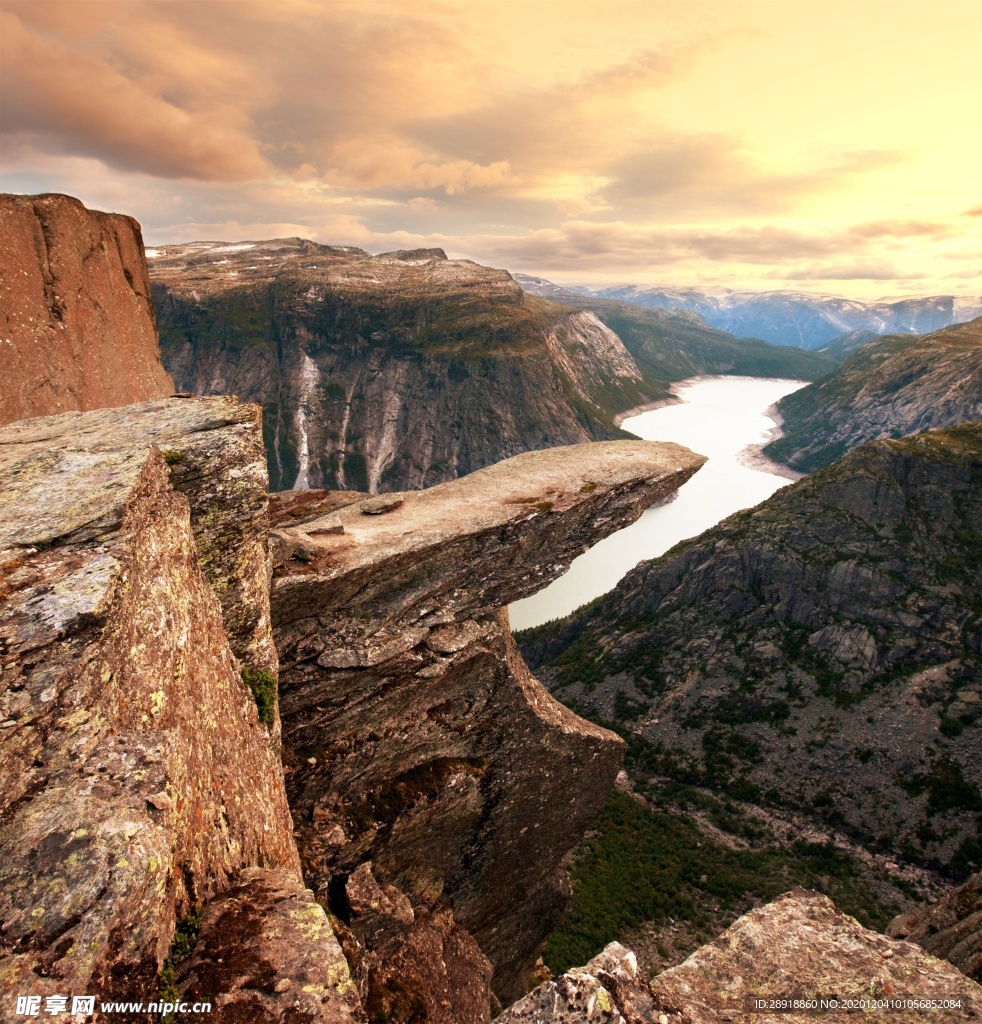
(62,100)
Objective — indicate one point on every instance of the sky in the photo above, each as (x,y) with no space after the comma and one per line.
(809,145)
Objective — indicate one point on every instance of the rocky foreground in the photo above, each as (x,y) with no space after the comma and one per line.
(140,731)
(797,948)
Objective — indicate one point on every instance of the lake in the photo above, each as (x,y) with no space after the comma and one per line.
(723,418)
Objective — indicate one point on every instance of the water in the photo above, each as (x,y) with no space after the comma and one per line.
(719,417)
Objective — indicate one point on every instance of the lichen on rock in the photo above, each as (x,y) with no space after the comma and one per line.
(140,780)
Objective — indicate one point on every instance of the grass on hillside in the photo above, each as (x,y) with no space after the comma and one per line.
(644,866)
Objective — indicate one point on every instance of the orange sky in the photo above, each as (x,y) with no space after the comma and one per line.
(804,144)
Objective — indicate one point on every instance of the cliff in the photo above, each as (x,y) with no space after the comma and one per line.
(798,947)
(142,774)
(891,387)
(436,785)
(950,928)
(822,651)
(72,279)
(381,373)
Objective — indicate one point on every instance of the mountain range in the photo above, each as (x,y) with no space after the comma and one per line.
(406,369)
(803,319)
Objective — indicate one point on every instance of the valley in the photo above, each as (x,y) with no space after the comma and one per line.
(406,369)
(720,417)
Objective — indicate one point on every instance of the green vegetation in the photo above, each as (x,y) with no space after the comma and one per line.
(262,683)
(181,947)
(946,787)
(645,866)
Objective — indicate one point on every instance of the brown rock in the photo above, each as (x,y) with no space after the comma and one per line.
(77,329)
(125,693)
(608,990)
(413,966)
(67,479)
(437,755)
(266,953)
(801,946)
(798,947)
(950,928)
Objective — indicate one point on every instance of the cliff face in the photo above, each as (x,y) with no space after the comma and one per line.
(140,778)
(798,947)
(74,278)
(380,373)
(823,650)
(891,387)
(950,928)
(436,785)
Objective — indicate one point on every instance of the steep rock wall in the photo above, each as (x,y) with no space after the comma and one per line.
(381,373)
(140,779)
(415,737)
(78,330)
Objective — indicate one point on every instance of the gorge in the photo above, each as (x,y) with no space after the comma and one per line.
(280,752)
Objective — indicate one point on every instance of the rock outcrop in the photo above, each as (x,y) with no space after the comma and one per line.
(381,373)
(950,928)
(78,330)
(266,952)
(797,948)
(822,650)
(436,785)
(141,775)
(891,387)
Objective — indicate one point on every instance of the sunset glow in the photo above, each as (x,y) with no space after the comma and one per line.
(804,144)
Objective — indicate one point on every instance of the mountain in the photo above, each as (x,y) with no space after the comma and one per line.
(407,369)
(802,319)
(74,276)
(675,344)
(894,386)
(822,651)
(387,372)
(845,344)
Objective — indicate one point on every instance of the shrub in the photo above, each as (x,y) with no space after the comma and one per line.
(262,683)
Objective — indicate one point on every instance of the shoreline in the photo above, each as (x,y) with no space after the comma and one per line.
(752,456)
(636,410)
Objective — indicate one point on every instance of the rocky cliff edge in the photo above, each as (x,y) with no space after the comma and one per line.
(142,776)
(71,279)
(437,786)
(797,948)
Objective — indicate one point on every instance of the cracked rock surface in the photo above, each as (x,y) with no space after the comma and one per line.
(797,947)
(138,777)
